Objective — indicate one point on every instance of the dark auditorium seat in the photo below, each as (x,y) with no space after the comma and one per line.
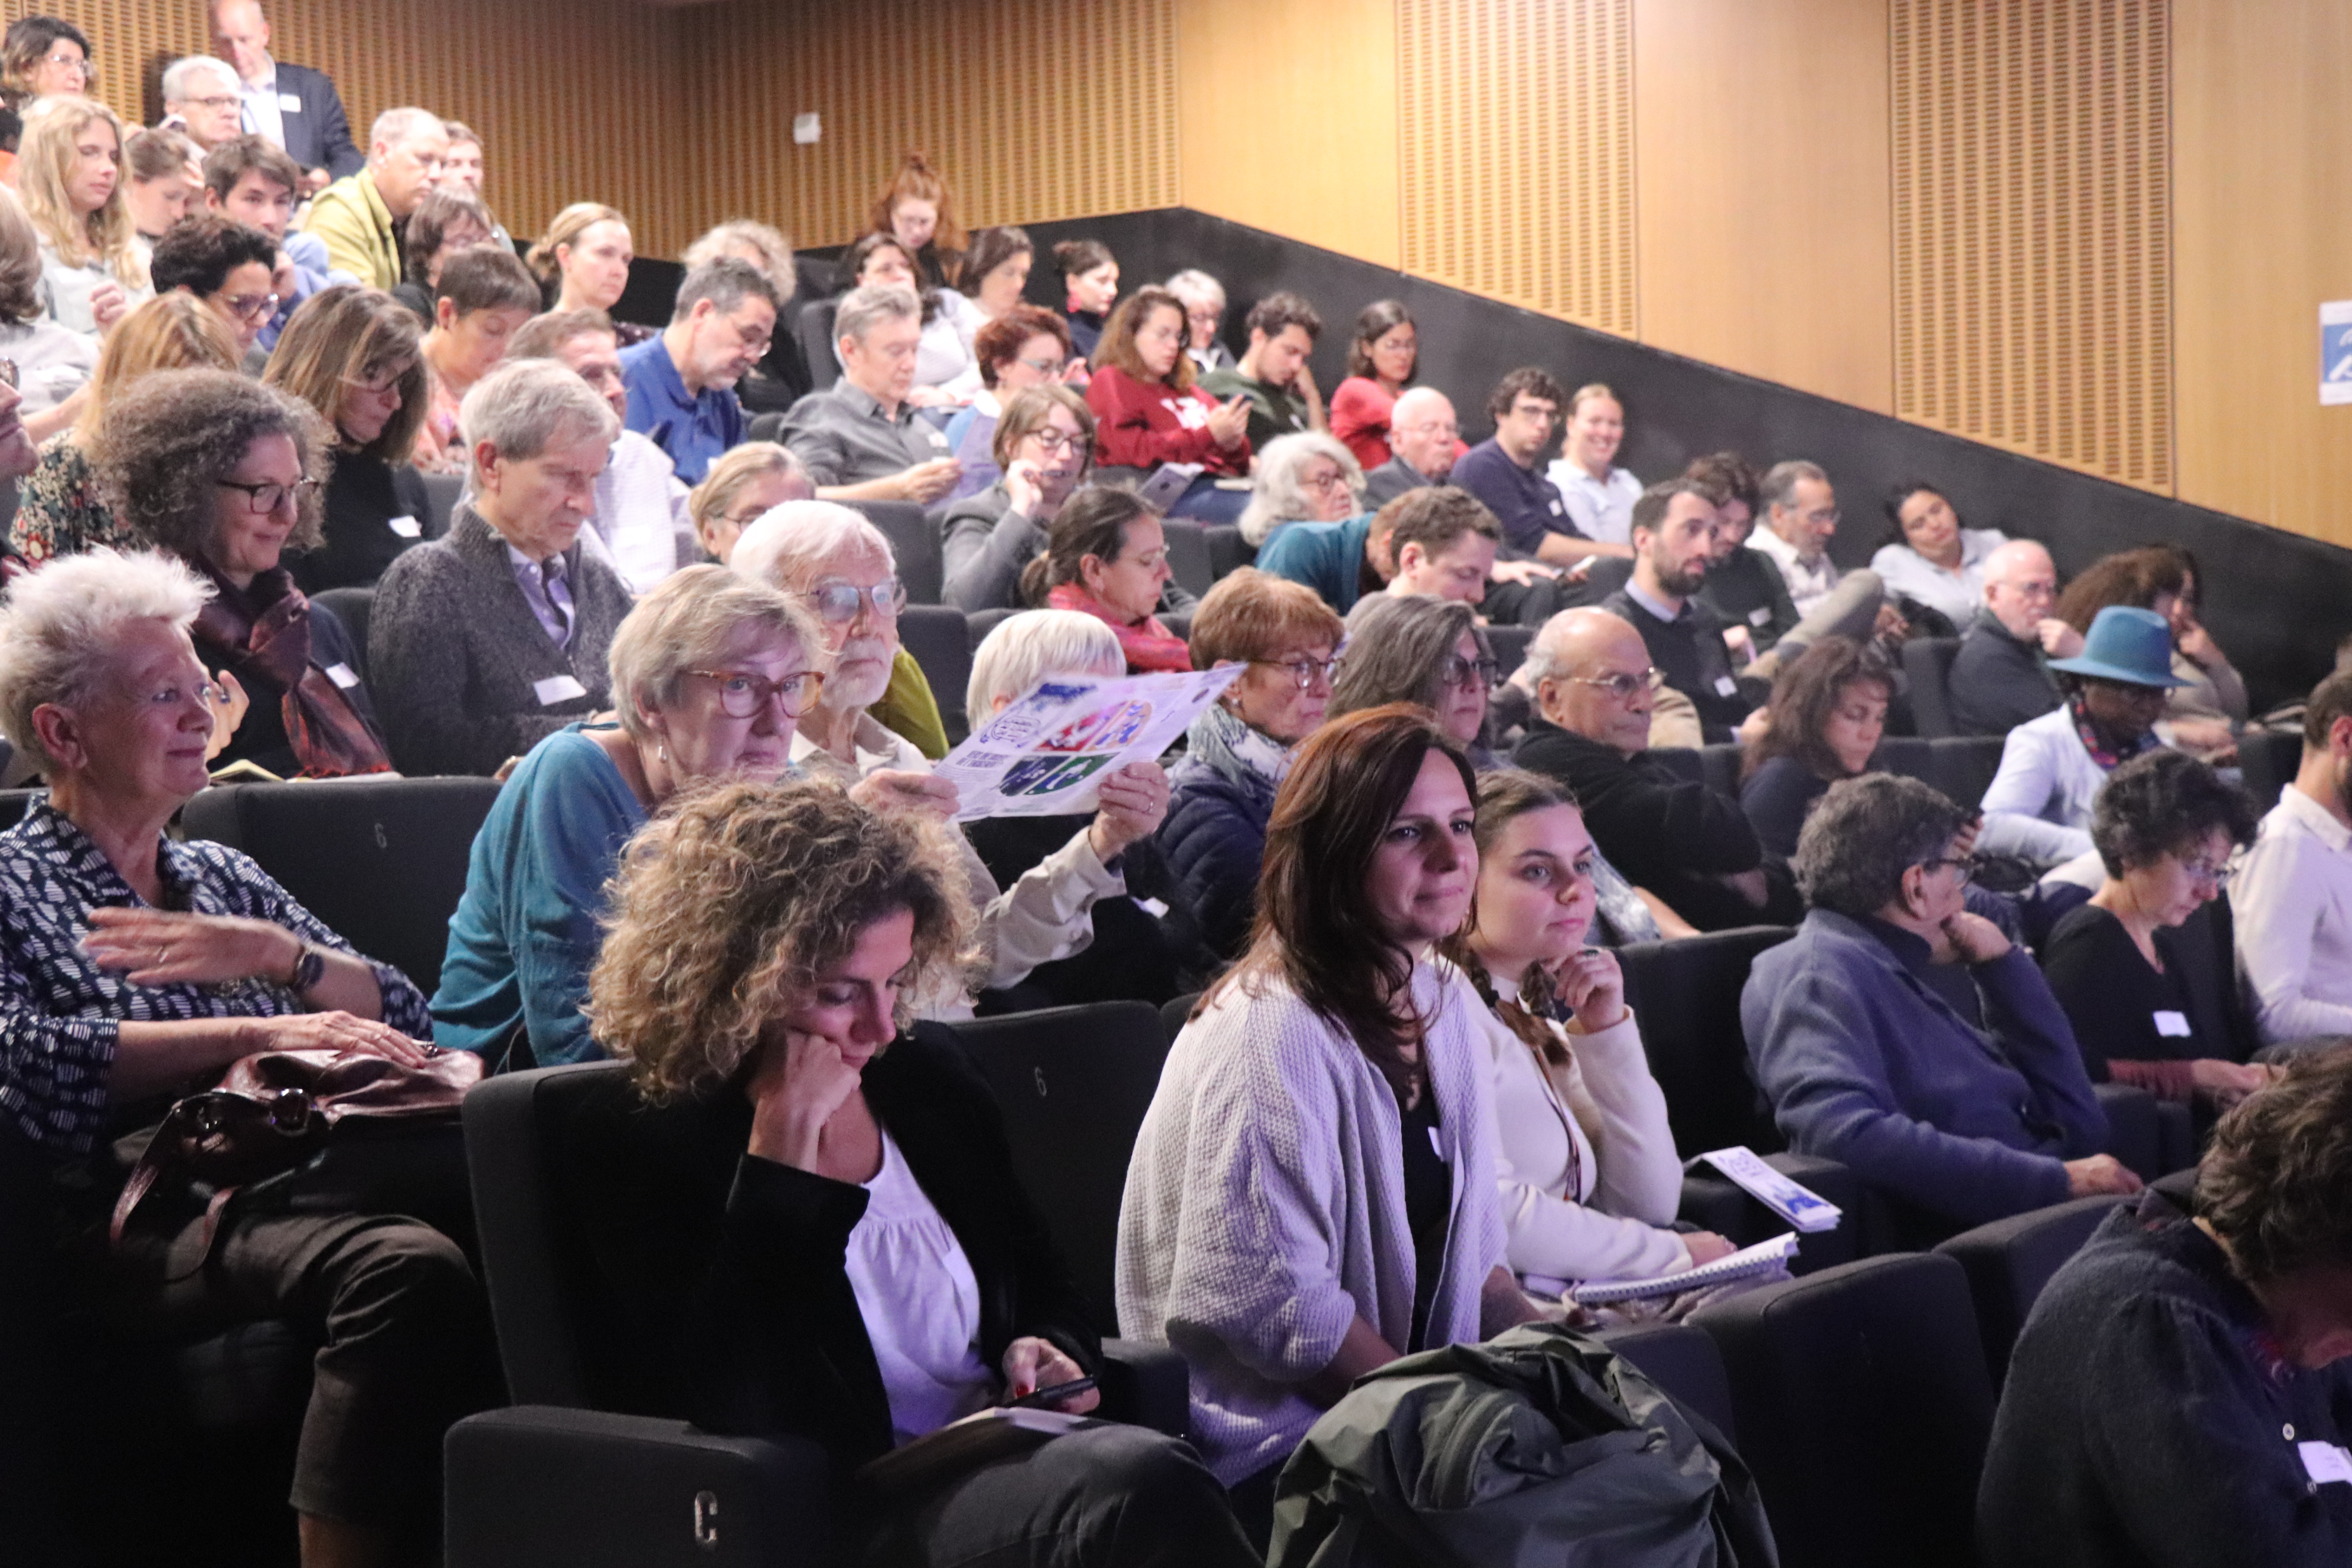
(1176,1011)
(1684,1362)
(1510,646)
(941,642)
(15,803)
(980,623)
(1962,766)
(1863,1409)
(1228,550)
(914,540)
(1684,762)
(2009,1260)
(2269,759)
(381,860)
(1905,756)
(352,606)
(1927,663)
(441,493)
(767,427)
(1714,1202)
(1720,766)
(812,325)
(1686,994)
(1189,562)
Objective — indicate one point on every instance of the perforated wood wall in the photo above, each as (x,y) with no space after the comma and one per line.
(1516,152)
(2032,228)
(1034,108)
(576,99)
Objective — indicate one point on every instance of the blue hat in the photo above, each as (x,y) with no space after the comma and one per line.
(2128,645)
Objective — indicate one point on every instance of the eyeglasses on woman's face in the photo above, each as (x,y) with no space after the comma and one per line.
(1305,671)
(743,694)
(1053,442)
(263,500)
(1461,672)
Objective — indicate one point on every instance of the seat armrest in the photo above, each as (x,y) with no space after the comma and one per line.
(1713,1202)
(1147,1385)
(2135,1135)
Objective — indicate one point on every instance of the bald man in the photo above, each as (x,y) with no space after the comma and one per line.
(360,217)
(1422,436)
(294,107)
(2001,677)
(1691,846)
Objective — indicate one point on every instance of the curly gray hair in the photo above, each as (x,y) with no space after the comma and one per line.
(1279,494)
(1865,833)
(167,440)
(59,627)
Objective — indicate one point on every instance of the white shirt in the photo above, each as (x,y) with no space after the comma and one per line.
(2038,805)
(261,114)
(1809,582)
(641,512)
(66,290)
(1957,594)
(2292,901)
(52,363)
(1601,508)
(921,1300)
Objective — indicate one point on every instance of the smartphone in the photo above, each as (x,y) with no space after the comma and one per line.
(1047,1398)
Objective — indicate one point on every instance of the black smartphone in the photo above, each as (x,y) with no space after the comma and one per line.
(1047,1398)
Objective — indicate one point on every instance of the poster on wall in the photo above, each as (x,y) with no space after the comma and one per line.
(1045,754)
(2336,351)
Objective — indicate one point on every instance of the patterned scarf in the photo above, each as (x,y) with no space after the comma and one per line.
(263,634)
(2108,761)
(1248,759)
(1151,647)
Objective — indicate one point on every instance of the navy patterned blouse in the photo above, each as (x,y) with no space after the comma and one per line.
(60,1013)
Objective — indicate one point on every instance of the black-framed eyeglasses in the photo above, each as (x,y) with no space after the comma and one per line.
(1050,441)
(1624,683)
(263,500)
(743,695)
(1964,866)
(1461,672)
(1305,671)
(837,603)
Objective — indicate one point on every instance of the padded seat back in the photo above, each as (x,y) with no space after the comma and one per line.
(441,493)
(352,606)
(814,326)
(1863,1410)
(1685,1363)
(1228,550)
(15,803)
(1682,762)
(1962,766)
(914,541)
(1074,1083)
(1720,766)
(1510,646)
(1927,664)
(381,860)
(980,623)
(1905,756)
(2269,759)
(2009,1260)
(1189,562)
(1686,994)
(941,642)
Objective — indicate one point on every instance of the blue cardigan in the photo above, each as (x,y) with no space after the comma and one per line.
(1327,557)
(525,935)
(1864,1064)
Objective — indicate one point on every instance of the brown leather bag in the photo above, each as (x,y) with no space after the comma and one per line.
(275,1112)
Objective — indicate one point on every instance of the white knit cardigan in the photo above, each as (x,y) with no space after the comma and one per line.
(1265,1207)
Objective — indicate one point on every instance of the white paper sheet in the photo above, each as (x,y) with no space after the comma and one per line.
(1047,753)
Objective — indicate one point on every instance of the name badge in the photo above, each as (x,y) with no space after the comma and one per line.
(2172,1026)
(288,104)
(939,438)
(405,526)
(2325,1462)
(340,674)
(557,688)
(1760,615)
(1557,508)
(1724,686)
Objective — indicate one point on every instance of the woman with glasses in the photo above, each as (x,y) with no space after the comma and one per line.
(1026,346)
(2144,974)
(1415,647)
(709,673)
(1238,752)
(223,473)
(1106,556)
(1304,477)
(1382,356)
(44,57)
(447,219)
(226,265)
(351,355)
(742,487)
(1867,1063)
(1824,723)
(482,644)
(1205,313)
(483,298)
(69,176)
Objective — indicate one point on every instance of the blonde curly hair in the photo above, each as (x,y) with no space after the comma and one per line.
(743,894)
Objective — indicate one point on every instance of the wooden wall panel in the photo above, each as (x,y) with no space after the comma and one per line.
(2262,139)
(2032,228)
(1033,109)
(1517,151)
(1289,119)
(550,84)
(1763,189)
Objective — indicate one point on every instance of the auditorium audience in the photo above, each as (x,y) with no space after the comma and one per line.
(946,370)
(1025,346)
(1106,556)
(1302,477)
(681,382)
(2292,900)
(54,364)
(1089,287)
(996,271)
(483,642)
(742,487)
(2000,674)
(2175,1395)
(1929,557)
(1501,471)
(1584,1162)
(463,172)
(2207,704)
(1743,587)
(201,98)
(483,297)
(162,166)
(1205,313)
(2038,805)
(1273,373)
(1319,1137)
(222,473)
(1800,518)
(297,109)
(1043,448)
(826,1238)
(252,181)
(583,263)
(1688,847)
(444,223)
(70,177)
(1238,752)
(1342,562)
(1423,438)
(226,265)
(641,527)
(709,674)
(1673,532)
(1823,723)
(58,509)
(359,216)
(1600,495)
(2147,1009)
(1443,542)
(862,438)
(1150,409)
(1412,647)
(917,209)
(351,355)
(134,964)
(1863,1060)
(44,57)
(1381,356)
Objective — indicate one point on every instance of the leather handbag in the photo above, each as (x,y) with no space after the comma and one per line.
(276,1113)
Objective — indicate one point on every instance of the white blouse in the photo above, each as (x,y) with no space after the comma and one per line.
(66,290)
(921,1301)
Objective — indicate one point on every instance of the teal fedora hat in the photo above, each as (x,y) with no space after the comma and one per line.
(2128,645)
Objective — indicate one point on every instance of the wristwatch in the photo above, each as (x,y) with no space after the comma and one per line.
(307,970)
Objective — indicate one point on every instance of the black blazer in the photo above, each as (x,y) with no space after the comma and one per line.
(717,1291)
(318,136)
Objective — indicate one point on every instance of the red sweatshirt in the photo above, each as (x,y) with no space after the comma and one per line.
(1139,426)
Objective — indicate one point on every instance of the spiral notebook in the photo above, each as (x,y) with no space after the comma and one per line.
(1744,1264)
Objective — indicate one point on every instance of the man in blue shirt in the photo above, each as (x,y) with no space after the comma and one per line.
(682,383)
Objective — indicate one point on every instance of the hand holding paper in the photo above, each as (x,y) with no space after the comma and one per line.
(1055,751)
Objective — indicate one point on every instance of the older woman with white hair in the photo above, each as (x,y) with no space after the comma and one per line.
(840,568)
(133,966)
(709,673)
(1204,310)
(1304,477)
(483,642)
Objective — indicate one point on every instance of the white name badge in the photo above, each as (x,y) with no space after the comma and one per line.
(405,526)
(2172,1026)
(288,104)
(939,438)
(340,674)
(1724,686)
(1760,615)
(1557,508)
(2325,1462)
(557,688)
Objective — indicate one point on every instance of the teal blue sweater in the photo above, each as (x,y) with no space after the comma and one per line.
(1327,557)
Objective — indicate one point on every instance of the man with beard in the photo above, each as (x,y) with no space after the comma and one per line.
(1674,529)
(2293,895)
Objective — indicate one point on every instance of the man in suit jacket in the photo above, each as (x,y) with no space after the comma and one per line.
(293,106)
